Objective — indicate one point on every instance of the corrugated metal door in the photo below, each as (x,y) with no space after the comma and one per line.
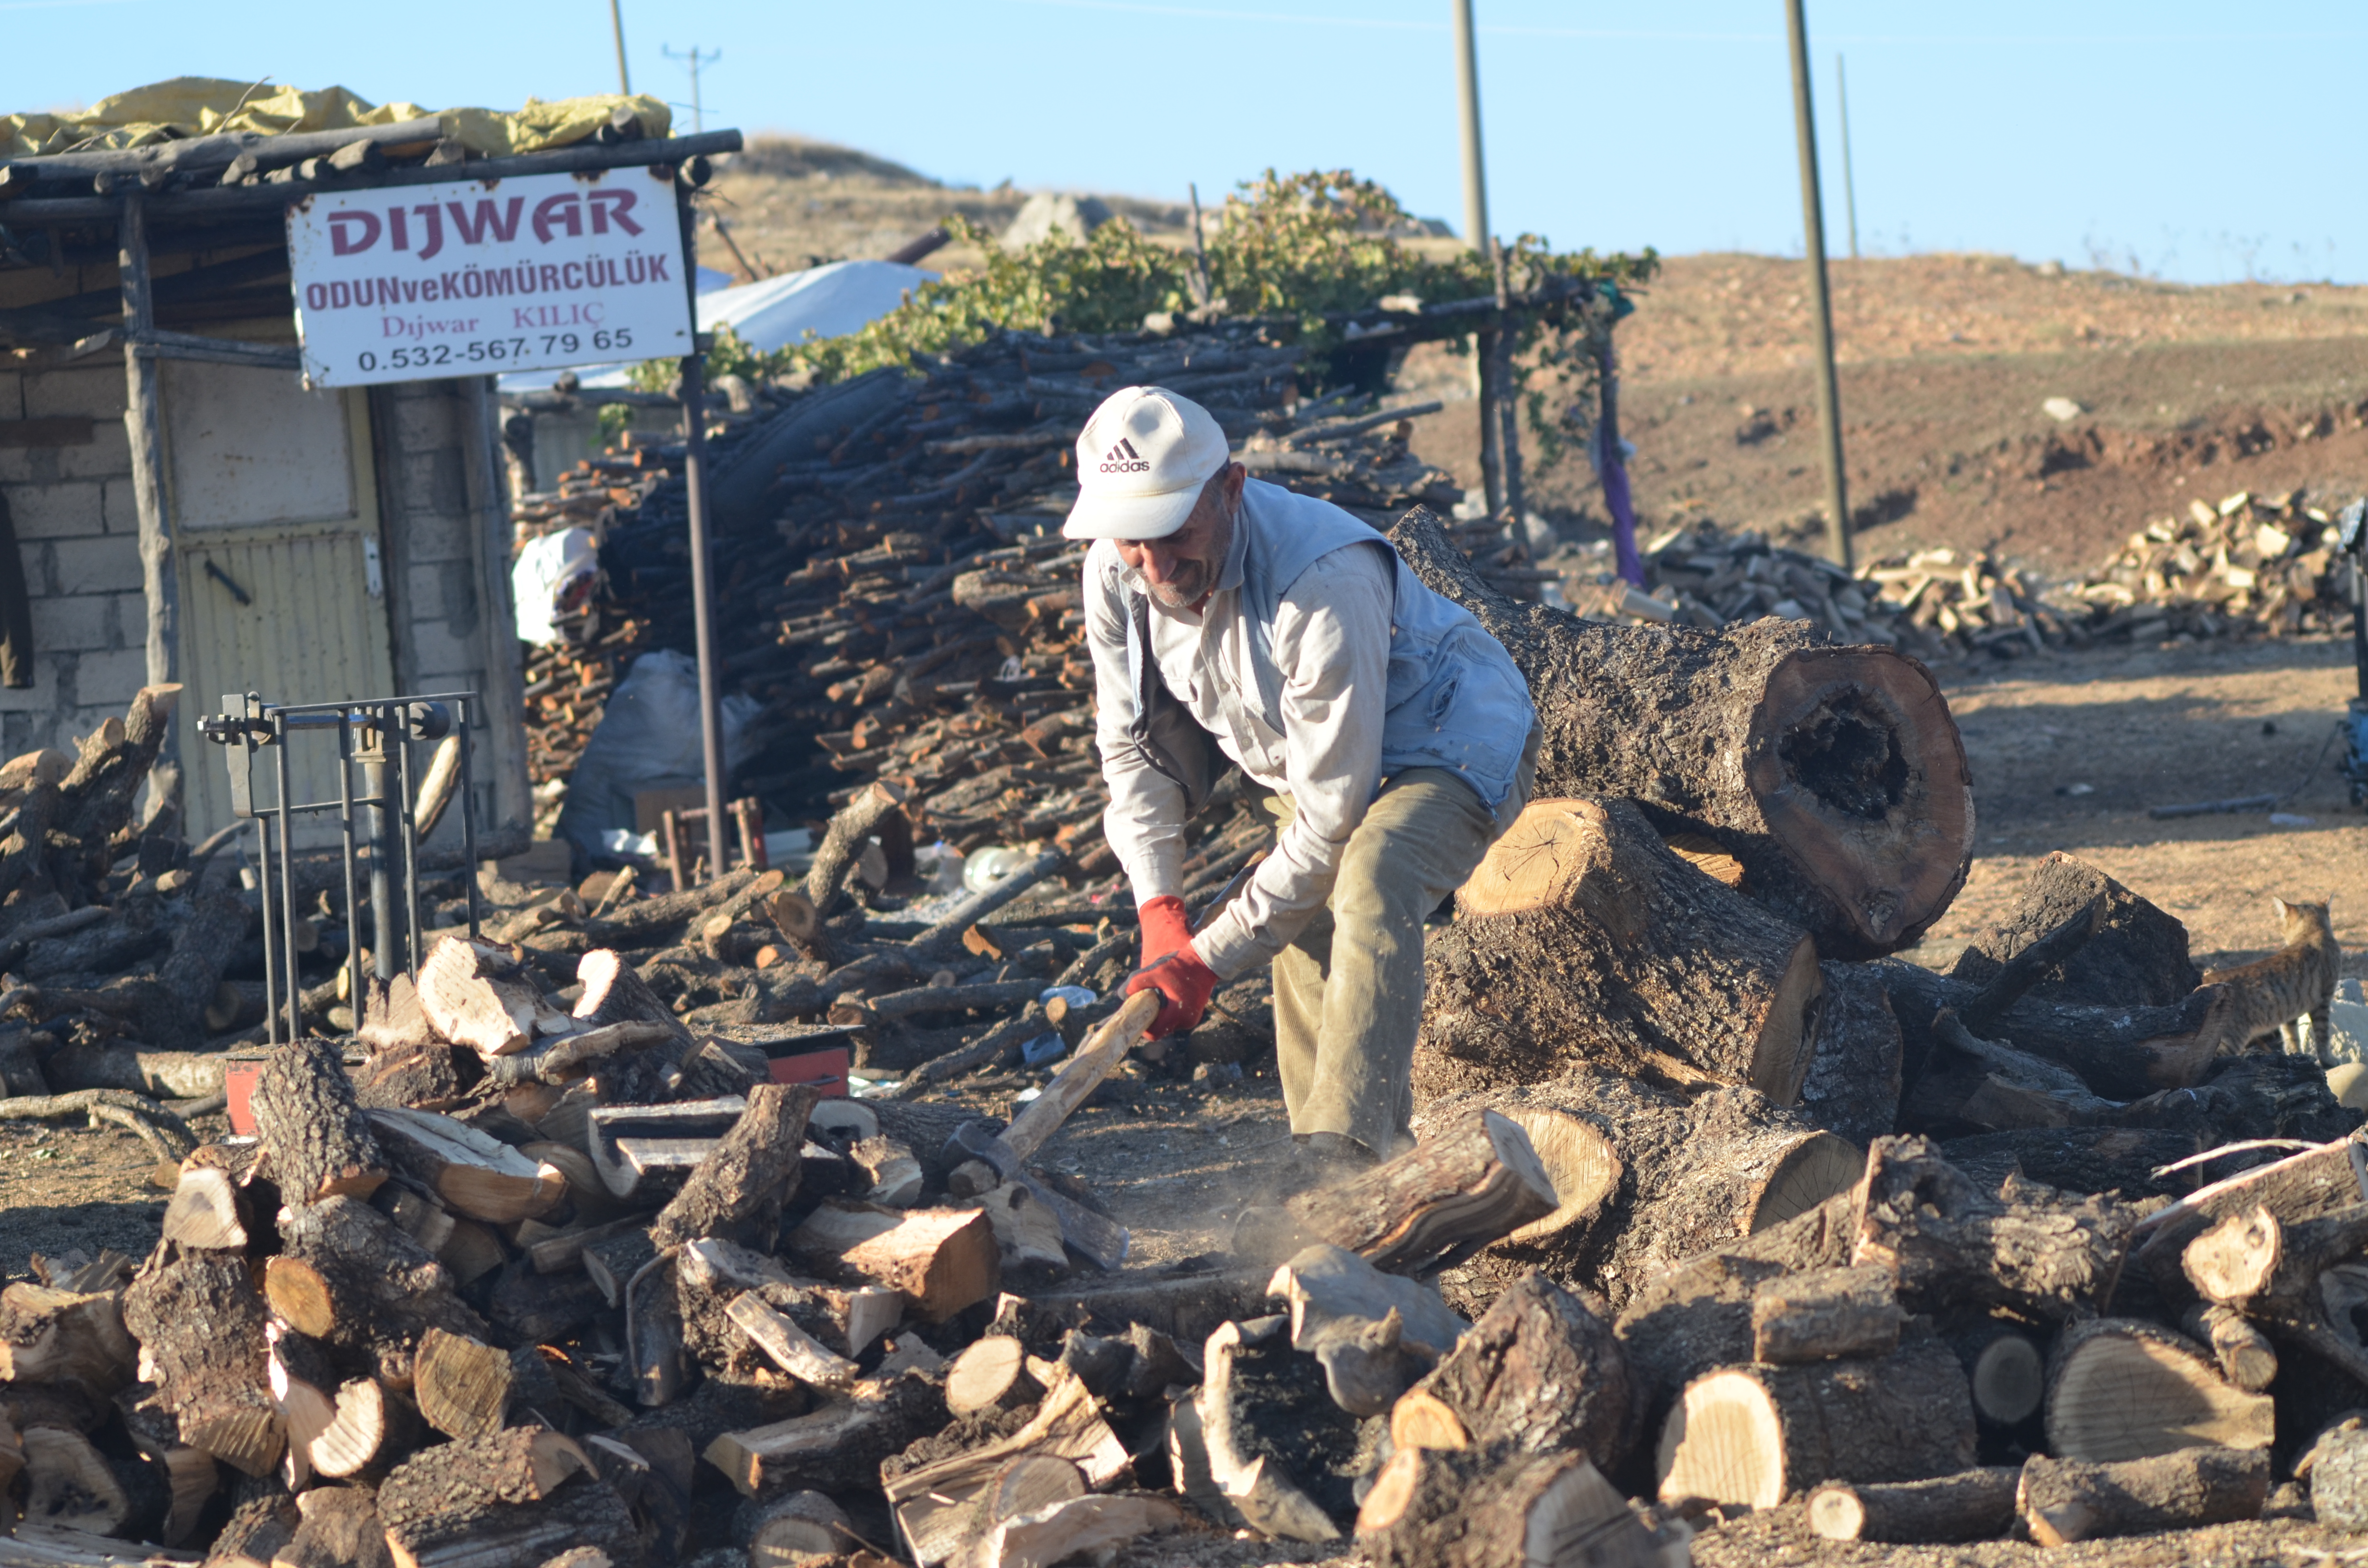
(274,504)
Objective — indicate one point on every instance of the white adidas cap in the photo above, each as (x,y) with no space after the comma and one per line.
(1141,460)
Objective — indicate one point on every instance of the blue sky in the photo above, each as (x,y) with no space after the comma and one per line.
(2168,138)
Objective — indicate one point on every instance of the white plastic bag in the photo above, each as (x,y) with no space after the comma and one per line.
(649,732)
(553,576)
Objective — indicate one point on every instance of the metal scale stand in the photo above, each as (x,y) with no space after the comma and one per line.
(380,834)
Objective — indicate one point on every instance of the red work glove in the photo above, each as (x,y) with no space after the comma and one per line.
(1166,926)
(1184,981)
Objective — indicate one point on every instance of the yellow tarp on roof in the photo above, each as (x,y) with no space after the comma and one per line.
(205,106)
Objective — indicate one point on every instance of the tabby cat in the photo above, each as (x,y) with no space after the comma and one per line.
(2295,982)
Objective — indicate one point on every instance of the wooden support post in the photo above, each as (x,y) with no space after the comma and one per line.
(702,563)
(144,418)
(670,841)
(1821,309)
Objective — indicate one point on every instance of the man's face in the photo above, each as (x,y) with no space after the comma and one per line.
(1181,569)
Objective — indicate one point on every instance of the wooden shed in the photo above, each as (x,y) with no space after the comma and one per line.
(184,509)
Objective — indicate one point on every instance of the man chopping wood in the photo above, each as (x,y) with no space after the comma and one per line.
(1228,615)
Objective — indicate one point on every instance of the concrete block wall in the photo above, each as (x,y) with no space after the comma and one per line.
(78,537)
(447,572)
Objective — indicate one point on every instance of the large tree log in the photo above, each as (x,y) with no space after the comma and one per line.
(348,1275)
(2064,1500)
(1825,1315)
(1487,1508)
(524,1495)
(1835,774)
(2123,1389)
(304,1113)
(1540,1371)
(200,1322)
(1688,1176)
(1587,938)
(168,1010)
(1856,1059)
(2135,955)
(1757,1434)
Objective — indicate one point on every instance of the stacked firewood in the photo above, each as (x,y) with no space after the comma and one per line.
(892,585)
(2252,565)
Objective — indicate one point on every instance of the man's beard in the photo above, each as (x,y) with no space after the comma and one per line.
(1186,588)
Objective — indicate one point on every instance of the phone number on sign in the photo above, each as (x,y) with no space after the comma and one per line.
(493,350)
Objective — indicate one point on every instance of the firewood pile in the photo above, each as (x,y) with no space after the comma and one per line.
(2252,565)
(893,587)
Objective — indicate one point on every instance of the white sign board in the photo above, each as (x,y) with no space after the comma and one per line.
(413,282)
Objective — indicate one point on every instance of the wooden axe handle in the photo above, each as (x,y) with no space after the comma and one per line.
(1102,1050)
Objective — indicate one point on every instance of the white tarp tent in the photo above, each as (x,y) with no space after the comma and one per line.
(772,315)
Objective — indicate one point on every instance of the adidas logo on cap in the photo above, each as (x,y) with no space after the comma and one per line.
(1124,458)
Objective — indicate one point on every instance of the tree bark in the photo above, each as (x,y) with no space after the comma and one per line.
(1587,937)
(2064,1500)
(941,1260)
(1825,1315)
(1486,1508)
(348,1274)
(843,842)
(200,1322)
(1973,1505)
(2124,1389)
(2246,1356)
(1856,1059)
(1835,774)
(2134,957)
(305,1114)
(1540,1371)
(835,1449)
(1757,1434)
(1953,1245)
(526,1492)
(738,1191)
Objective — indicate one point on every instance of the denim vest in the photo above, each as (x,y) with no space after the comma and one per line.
(1454,699)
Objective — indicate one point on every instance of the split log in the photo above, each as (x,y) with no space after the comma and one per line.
(1078,1527)
(348,1275)
(2305,1186)
(1540,1371)
(305,1114)
(892,1171)
(69,1484)
(710,1276)
(794,1350)
(1952,1245)
(521,1495)
(1757,1434)
(95,798)
(1473,1181)
(738,1192)
(640,1151)
(1373,1333)
(423,1076)
(1278,1448)
(2132,954)
(991,1373)
(1026,1230)
(837,1446)
(2338,1478)
(472,1172)
(462,1385)
(1485,1507)
(370,1426)
(1825,1315)
(200,1320)
(878,806)
(50,1335)
(931,1502)
(1851,811)
(941,1260)
(2064,1500)
(263,1519)
(471,992)
(1974,1505)
(2258,1263)
(2246,1356)
(615,992)
(208,1212)
(2123,1389)
(1586,937)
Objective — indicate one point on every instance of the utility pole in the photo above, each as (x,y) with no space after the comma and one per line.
(695,60)
(1850,180)
(1475,234)
(1821,305)
(616,25)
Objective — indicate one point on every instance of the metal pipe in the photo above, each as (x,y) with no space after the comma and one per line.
(469,816)
(263,892)
(694,471)
(400,714)
(381,892)
(616,25)
(1850,181)
(1467,106)
(354,989)
(1821,310)
(288,896)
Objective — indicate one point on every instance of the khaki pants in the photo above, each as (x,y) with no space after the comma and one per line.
(1348,990)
